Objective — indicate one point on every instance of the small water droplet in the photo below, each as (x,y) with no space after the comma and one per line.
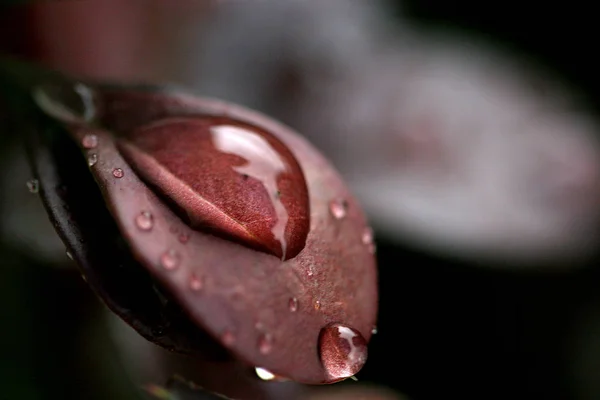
(33,186)
(343,351)
(293,304)
(69,255)
(264,374)
(374,331)
(338,208)
(66,101)
(228,338)
(196,283)
(144,221)
(317,305)
(92,159)
(118,173)
(89,141)
(169,260)
(184,237)
(367,236)
(265,343)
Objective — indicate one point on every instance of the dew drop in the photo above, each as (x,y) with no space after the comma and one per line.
(367,236)
(264,374)
(196,283)
(118,173)
(338,208)
(293,304)
(233,164)
(265,343)
(33,186)
(89,141)
(184,237)
(228,338)
(144,221)
(169,260)
(66,101)
(92,159)
(343,351)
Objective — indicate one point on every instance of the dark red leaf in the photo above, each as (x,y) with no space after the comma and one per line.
(213,239)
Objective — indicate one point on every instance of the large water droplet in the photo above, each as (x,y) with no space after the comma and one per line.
(89,141)
(338,208)
(33,186)
(343,351)
(169,260)
(229,177)
(265,343)
(144,221)
(66,101)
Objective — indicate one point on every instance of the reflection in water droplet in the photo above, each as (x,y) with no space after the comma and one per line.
(144,221)
(184,237)
(196,283)
(89,141)
(169,260)
(92,159)
(338,208)
(343,351)
(67,102)
(33,186)
(262,163)
(293,304)
(118,173)
(264,374)
(265,343)
(239,181)
(317,305)
(228,338)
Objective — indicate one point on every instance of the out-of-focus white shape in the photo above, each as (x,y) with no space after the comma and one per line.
(449,145)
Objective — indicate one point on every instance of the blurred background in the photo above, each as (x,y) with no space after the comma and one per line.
(469,131)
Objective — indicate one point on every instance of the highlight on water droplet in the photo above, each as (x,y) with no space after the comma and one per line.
(118,173)
(264,374)
(144,221)
(169,260)
(293,304)
(92,159)
(89,141)
(343,351)
(66,101)
(265,343)
(33,185)
(317,305)
(196,283)
(338,208)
